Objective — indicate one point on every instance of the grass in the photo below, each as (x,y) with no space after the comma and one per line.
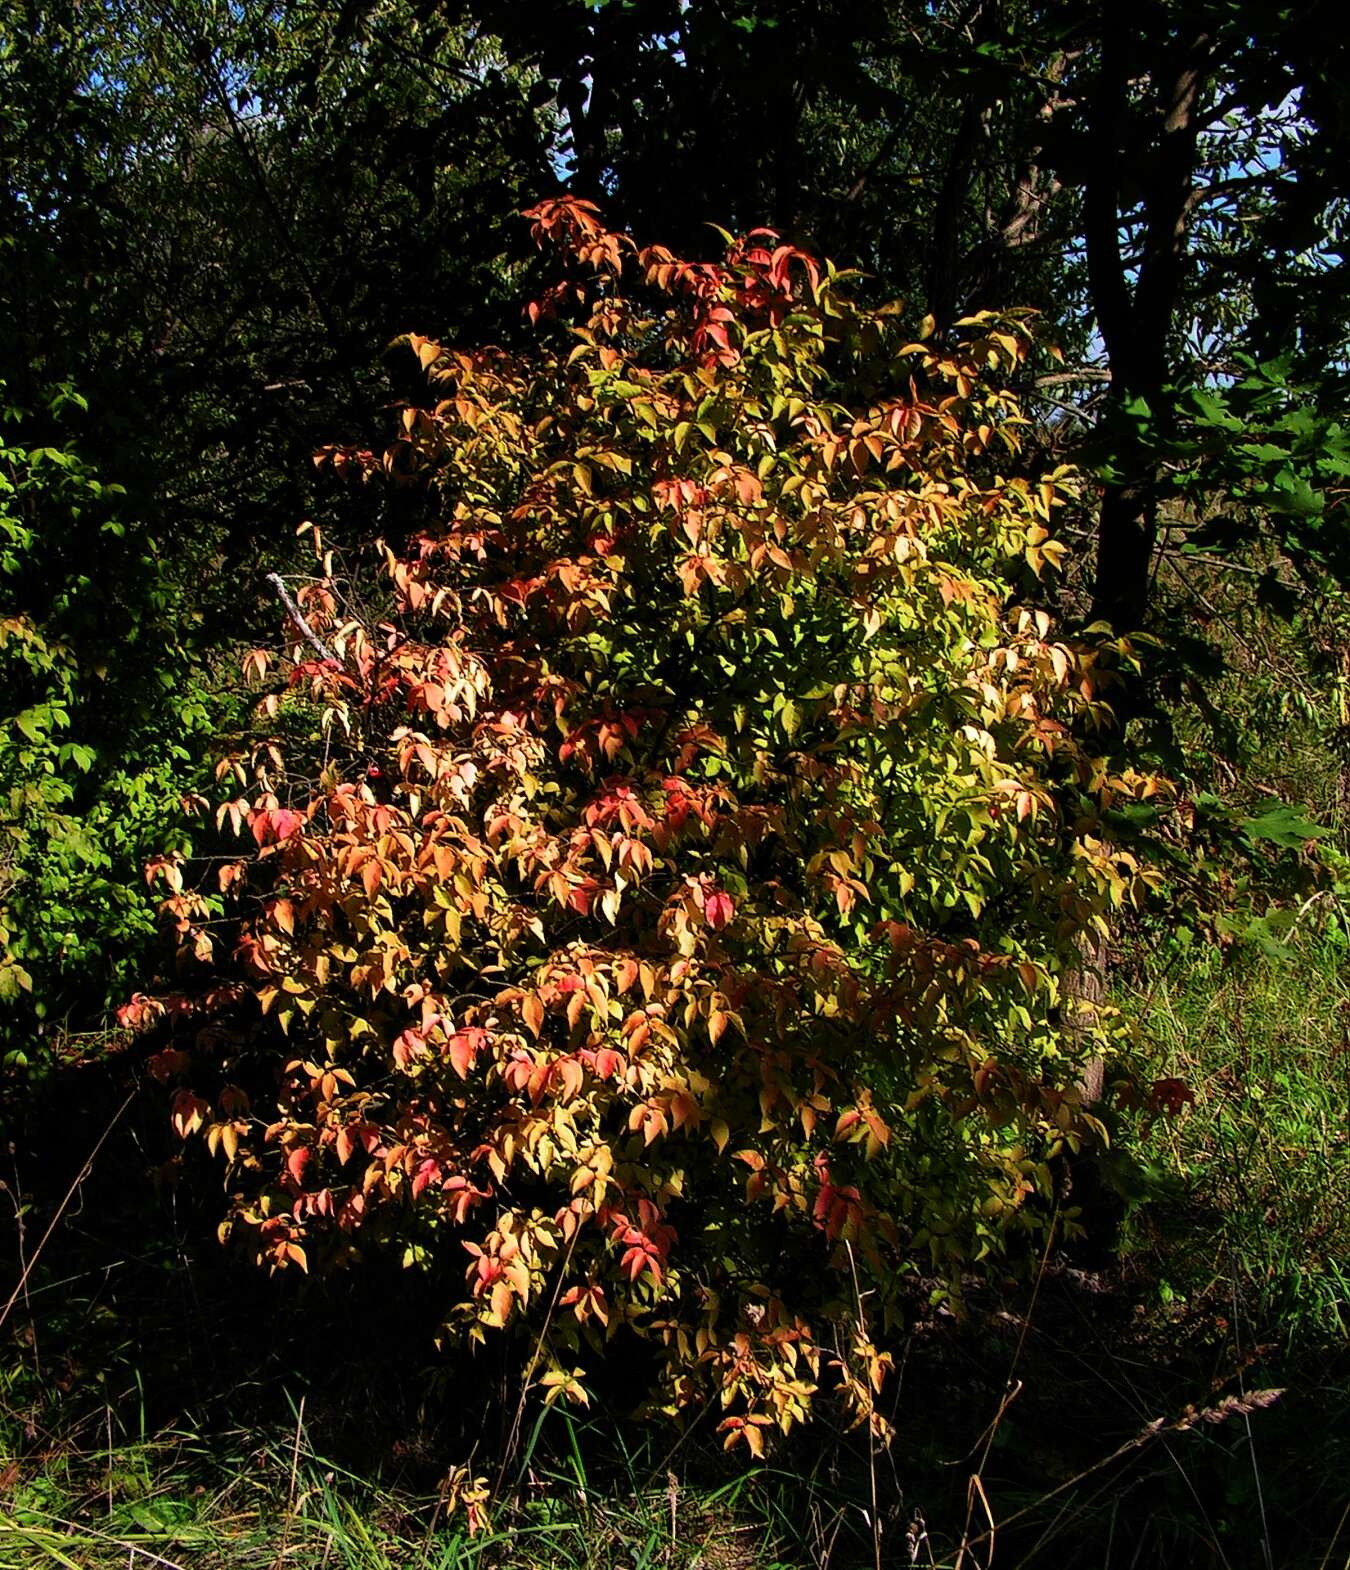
(601,1495)
(245,1499)
(1264,1151)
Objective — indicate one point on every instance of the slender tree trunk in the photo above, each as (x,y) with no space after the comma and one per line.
(1023,216)
(1343,736)
(942,280)
(1137,323)
(1085,991)
(942,285)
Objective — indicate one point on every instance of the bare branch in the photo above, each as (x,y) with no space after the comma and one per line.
(298,617)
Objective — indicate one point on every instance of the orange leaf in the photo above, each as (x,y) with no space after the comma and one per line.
(532,1012)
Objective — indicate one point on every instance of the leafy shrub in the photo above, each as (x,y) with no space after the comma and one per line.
(97,716)
(672,924)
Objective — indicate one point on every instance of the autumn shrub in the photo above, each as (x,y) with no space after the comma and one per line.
(668,933)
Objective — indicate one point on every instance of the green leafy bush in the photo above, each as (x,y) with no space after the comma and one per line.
(99,716)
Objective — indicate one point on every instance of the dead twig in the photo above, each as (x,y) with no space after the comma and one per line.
(61,1209)
(1230,1406)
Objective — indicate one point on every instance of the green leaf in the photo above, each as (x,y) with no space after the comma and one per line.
(33,723)
(1281,825)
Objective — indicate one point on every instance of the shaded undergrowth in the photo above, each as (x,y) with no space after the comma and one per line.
(1257,1168)
(160,1405)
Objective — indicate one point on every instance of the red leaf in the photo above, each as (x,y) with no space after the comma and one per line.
(463,1047)
(272,825)
(187,1113)
(163,1065)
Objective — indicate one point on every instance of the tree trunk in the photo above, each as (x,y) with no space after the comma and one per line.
(1085,989)
(1137,322)
(1127,534)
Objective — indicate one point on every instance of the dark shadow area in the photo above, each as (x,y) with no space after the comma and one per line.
(1127,1432)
